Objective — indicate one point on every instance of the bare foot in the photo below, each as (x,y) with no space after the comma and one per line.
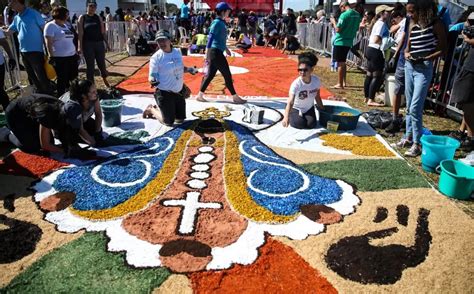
(373,103)
(238,100)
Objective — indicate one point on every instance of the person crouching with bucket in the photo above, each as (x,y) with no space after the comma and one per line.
(300,112)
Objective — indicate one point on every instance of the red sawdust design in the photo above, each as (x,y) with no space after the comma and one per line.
(263,52)
(278,269)
(158,224)
(30,165)
(271,77)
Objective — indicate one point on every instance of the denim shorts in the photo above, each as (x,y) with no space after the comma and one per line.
(400,80)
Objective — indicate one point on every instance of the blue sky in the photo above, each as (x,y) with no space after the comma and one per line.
(295,4)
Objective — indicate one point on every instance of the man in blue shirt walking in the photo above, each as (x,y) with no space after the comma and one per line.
(29,24)
(184,17)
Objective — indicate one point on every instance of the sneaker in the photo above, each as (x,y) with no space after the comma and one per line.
(403,143)
(394,126)
(458,135)
(414,151)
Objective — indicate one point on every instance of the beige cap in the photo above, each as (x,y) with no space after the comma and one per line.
(382,8)
(471,16)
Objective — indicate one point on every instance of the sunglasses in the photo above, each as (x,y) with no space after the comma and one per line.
(303,69)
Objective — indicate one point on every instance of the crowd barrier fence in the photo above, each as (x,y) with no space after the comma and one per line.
(318,37)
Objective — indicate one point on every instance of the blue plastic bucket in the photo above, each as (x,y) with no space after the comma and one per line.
(456,179)
(112,110)
(331,113)
(436,149)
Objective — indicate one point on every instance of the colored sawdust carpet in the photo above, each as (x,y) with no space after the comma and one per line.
(30,165)
(210,200)
(276,262)
(258,51)
(367,146)
(270,77)
(83,265)
(371,175)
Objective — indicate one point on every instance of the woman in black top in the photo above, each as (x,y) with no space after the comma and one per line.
(30,122)
(92,41)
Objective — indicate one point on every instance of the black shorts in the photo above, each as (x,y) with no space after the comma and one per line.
(340,53)
(172,106)
(375,60)
(463,91)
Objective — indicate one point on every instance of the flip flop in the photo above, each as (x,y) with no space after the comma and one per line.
(375,104)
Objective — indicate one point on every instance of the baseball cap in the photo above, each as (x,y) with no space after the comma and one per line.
(382,8)
(163,34)
(73,111)
(471,16)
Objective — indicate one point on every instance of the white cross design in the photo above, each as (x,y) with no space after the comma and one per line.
(191,206)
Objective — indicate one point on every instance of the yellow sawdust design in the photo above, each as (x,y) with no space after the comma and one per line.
(367,146)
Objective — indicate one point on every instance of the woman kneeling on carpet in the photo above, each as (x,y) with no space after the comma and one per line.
(80,103)
(166,75)
(31,122)
(300,112)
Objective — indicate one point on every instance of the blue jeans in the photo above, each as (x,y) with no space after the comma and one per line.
(417,81)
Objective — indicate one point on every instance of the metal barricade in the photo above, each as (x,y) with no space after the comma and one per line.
(12,77)
(318,37)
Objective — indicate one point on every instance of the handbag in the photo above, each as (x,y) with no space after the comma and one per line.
(49,69)
(185,92)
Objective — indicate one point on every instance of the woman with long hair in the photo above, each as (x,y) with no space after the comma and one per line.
(300,112)
(30,122)
(216,45)
(375,58)
(426,42)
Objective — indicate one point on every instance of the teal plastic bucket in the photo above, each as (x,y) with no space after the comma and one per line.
(436,149)
(112,110)
(456,179)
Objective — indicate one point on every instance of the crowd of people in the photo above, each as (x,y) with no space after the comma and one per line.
(406,39)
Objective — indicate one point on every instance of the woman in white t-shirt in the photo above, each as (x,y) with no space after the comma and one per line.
(61,49)
(374,54)
(166,75)
(300,112)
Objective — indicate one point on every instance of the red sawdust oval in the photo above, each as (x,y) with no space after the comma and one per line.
(278,269)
